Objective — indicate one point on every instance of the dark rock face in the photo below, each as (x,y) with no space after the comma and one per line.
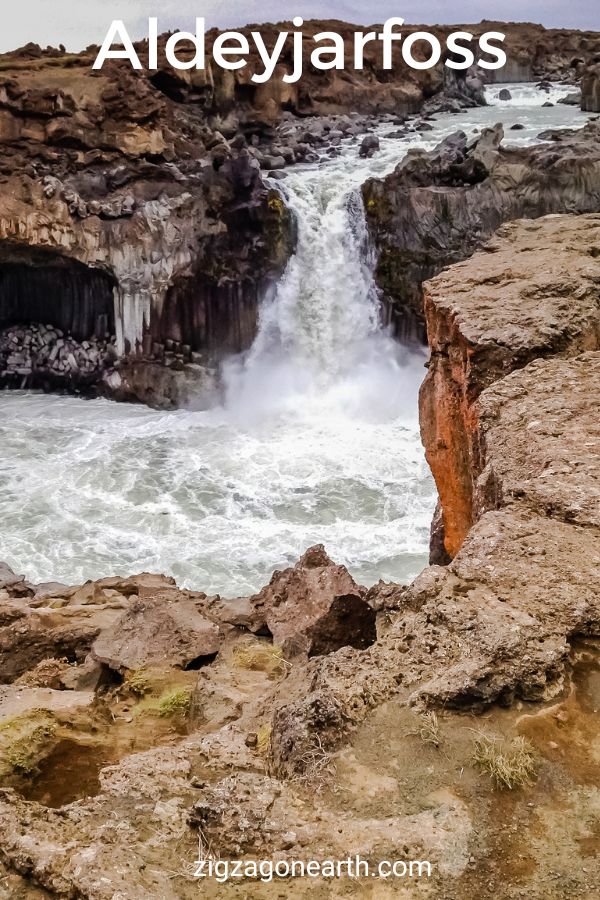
(369,146)
(590,88)
(121,216)
(438,207)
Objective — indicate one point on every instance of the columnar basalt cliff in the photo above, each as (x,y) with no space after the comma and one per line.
(240,724)
(590,87)
(123,219)
(438,207)
(533,53)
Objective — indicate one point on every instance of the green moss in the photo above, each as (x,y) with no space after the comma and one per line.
(172,703)
(138,682)
(175,703)
(276,204)
(24,741)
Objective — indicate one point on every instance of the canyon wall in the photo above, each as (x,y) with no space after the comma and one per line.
(533,52)
(120,212)
(590,87)
(548,279)
(509,421)
(438,207)
(151,184)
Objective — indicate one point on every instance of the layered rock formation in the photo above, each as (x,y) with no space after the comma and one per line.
(438,207)
(119,216)
(533,52)
(547,276)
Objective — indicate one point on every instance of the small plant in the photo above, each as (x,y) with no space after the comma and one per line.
(263,657)
(174,703)
(138,682)
(510,765)
(263,740)
(22,754)
(429,728)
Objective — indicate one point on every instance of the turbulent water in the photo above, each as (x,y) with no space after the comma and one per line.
(317,440)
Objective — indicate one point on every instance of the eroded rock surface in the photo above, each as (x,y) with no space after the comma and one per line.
(315,607)
(547,276)
(439,207)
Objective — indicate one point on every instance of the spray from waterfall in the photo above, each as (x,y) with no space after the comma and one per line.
(320,341)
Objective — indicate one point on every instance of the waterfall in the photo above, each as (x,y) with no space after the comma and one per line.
(320,338)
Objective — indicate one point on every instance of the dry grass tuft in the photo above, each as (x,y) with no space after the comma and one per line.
(429,728)
(510,765)
(138,682)
(260,657)
(316,767)
(263,742)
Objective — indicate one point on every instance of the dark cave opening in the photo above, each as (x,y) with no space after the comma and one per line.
(56,291)
(57,320)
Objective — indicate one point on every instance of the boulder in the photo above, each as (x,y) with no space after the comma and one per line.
(573,99)
(157,631)
(316,607)
(8,577)
(505,94)
(33,638)
(369,146)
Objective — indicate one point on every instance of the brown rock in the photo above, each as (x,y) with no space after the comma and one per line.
(590,89)
(157,631)
(8,577)
(546,274)
(316,607)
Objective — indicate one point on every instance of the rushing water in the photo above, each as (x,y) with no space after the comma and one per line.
(317,440)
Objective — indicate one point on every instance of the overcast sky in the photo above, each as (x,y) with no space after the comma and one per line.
(77,23)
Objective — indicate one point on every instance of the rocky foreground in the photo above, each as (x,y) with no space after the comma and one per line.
(318,718)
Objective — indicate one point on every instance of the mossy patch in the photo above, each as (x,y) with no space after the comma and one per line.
(24,741)
(138,682)
(173,703)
